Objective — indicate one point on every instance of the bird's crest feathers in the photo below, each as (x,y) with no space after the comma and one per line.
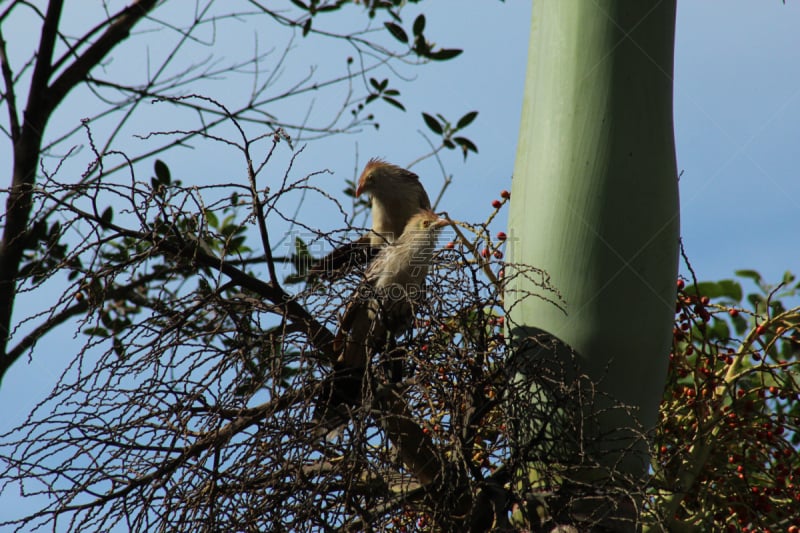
(391,173)
(375,162)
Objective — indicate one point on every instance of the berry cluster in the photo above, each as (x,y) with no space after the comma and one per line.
(730,424)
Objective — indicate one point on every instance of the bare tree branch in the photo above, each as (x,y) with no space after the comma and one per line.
(119,27)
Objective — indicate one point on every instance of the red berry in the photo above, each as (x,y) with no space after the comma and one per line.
(733,312)
(498,254)
(485,252)
(501,236)
(496,204)
(450,245)
(760,329)
(680,284)
(505,194)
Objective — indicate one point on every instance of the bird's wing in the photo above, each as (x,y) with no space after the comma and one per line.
(424,201)
(354,307)
(359,328)
(345,257)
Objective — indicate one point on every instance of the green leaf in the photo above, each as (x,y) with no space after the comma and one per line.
(751,274)
(375,84)
(466,120)
(419,25)
(726,288)
(776,307)
(730,289)
(119,348)
(107,215)
(396,31)
(758,302)
(228,230)
(54,233)
(107,320)
(306,27)
(371,97)
(38,232)
(433,124)
(229,220)
(444,54)
(212,219)
(235,244)
(466,144)
(292,279)
(57,251)
(96,331)
(162,172)
(350,190)
(739,324)
(301,249)
(394,102)
(719,330)
(421,47)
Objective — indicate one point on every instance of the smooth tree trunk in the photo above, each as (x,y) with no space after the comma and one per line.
(595,205)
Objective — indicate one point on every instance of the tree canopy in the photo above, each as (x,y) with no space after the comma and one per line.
(190,401)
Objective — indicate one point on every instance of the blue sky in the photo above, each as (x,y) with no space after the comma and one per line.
(737,126)
(737,123)
(737,118)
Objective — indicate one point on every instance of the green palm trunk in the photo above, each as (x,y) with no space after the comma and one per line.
(595,205)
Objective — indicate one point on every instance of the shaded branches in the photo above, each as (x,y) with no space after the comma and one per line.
(191,401)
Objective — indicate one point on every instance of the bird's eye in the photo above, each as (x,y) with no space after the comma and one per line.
(426,223)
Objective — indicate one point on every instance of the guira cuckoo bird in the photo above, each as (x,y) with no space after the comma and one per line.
(382,308)
(395,194)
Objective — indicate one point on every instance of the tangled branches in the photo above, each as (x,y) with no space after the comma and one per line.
(190,405)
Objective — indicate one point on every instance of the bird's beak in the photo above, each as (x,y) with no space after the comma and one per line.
(359,189)
(441,222)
